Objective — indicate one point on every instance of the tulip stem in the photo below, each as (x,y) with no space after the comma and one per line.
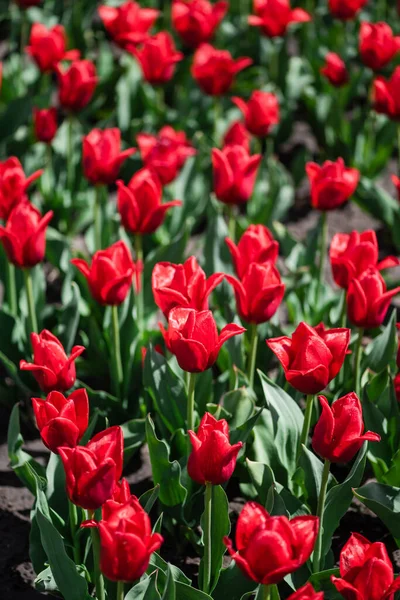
(231,223)
(33,326)
(320,514)
(98,577)
(117,350)
(264,592)
(73,524)
(322,252)
(343,315)
(190,401)
(12,290)
(97,218)
(207,537)
(307,423)
(357,362)
(139,294)
(70,153)
(253,354)
(120,590)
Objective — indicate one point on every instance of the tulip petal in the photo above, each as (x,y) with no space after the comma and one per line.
(82,265)
(227,332)
(51,378)
(311,381)
(241,104)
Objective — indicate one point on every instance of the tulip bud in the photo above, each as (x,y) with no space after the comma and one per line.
(47,47)
(234,174)
(13,185)
(77,85)
(51,367)
(196,21)
(313,357)
(386,95)
(45,124)
(275,16)
(377,44)
(331,184)
(256,245)
(24,236)
(307,592)
(269,548)
(193,338)
(346,9)
(335,70)
(128,24)
(215,70)
(157,58)
(62,421)
(261,112)
(110,274)
(237,135)
(367,299)
(102,156)
(92,471)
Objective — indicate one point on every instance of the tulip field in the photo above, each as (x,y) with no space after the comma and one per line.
(199,295)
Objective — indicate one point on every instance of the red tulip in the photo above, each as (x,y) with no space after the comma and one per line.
(331,184)
(307,592)
(396,181)
(335,70)
(346,9)
(77,85)
(92,471)
(102,156)
(274,16)
(157,57)
(62,421)
(24,236)
(396,383)
(234,173)
(368,300)
(261,112)
(185,286)
(51,367)
(386,95)
(110,275)
(259,293)
(256,245)
(28,3)
(122,492)
(193,338)
(366,571)
(45,124)
(128,23)
(339,432)
(313,357)
(269,548)
(126,540)
(48,47)
(378,45)
(140,203)
(196,20)
(13,185)
(215,70)
(165,153)
(212,440)
(237,135)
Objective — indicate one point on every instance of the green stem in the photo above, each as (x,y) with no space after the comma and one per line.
(253,354)
(24,33)
(217,116)
(231,222)
(73,524)
(70,153)
(190,401)
(120,590)
(320,514)
(117,350)
(307,423)
(357,362)
(139,296)
(97,218)
(264,592)
(33,326)
(343,314)
(322,253)
(207,537)
(49,165)
(12,290)
(98,577)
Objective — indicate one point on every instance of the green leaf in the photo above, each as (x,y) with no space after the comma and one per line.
(262,478)
(144,590)
(186,592)
(233,584)
(384,501)
(69,320)
(170,588)
(148,499)
(382,349)
(312,468)
(134,436)
(162,566)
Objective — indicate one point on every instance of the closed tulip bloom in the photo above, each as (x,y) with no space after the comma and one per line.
(165,153)
(275,16)
(47,47)
(366,571)
(335,70)
(13,185)
(45,124)
(331,184)
(368,299)
(184,285)
(215,70)
(157,57)
(353,253)
(195,21)
(140,203)
(24,236)
(62,421)
(102,156)
(122,492)
(51,367)
(92,471)
(77,85)
(261,112)
(212,440)
(339,432)
(256,245)
(237,135)
(269,548)
(346,9)
(377,44)
(259,293)
(386,95)
(128,23)
(234,174)
(110,274)
(193,338)
(312,357)
(126,540)
(307,592)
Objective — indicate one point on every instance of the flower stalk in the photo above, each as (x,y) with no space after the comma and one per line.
(139,295)
(207,537)
(97,217)
(357,362)
(322,253)
(307,423)
(98,577)
(12,290)
(33,326)
(253,354)
(320,514)
(117,351)
(73,524)
(190,401)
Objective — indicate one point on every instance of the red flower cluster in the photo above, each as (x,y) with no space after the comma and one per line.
(195,21)
(331,184)
(274,16)
(378,45)
(13,185)
(128,24)
(215,70)
(77,85)
(102,156)
(48,47)
(261,112)
(157,57)
(256,245)
(234,172)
